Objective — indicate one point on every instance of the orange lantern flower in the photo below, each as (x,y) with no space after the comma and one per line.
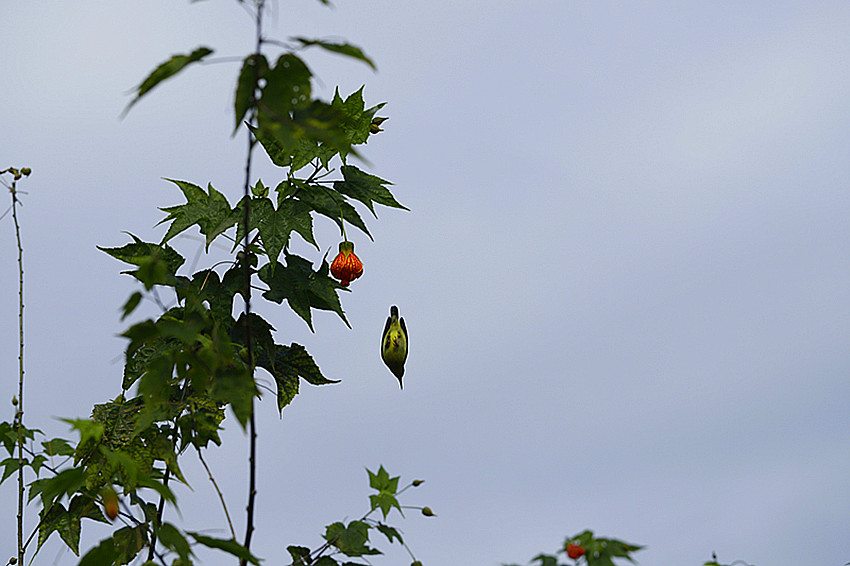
(575,551)
(346,266)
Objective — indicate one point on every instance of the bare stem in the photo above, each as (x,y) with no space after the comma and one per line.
(218,491)
(19,405)
(252,428)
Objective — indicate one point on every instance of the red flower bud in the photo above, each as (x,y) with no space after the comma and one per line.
(346,266)
(575,551)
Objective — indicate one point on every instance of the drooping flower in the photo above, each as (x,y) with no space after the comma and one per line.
(110,502)
(346,266)
(575,551)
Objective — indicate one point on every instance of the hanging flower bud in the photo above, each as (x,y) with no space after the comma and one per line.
(346,266)
(575,551)
(110,502)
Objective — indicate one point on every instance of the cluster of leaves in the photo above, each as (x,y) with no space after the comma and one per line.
(352,539)
(188,367)
(589,549)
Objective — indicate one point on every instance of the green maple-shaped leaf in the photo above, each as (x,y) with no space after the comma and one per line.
(167,70)
(206,287)
(10,466)
(382,481)
(121,449)
(387,488)
(209,210)
(261,334)
(299,554)
(201,422)
(323,124)
(356,118)
(127,543)
(389,532)
(314,131)
(84,506)
(385,502)
(275,226)
(139,361)
(56,518)
(324,201)
(302,288)
(288,365)
(118,418)
(139,253)
(352,539)
(366,188)
(58,447)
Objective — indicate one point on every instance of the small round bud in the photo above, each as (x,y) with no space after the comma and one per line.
(26,171)
(13,560)
(416,563)
(15,401)
(417,483)
(427,512)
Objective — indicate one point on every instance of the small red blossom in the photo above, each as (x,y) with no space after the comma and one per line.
(575,551)
(346,266)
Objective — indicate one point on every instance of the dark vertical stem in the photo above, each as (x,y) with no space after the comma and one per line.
(158,520)
(246,247)
(19,412)
(18,402)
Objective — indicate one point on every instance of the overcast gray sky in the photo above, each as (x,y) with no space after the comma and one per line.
(625,273)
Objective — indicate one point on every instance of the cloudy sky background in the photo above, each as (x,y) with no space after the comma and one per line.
(625,273)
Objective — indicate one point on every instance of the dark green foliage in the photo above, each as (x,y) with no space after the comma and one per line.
(167,70)
(322,200)
(229,546)
(157,263)
(302,287)
(366,188)
(595,551)
(209,210)
(171,537)
(194,363)
(387,488)
(351,539)
(254,68)
(275,225)
(287,365)
(340,48)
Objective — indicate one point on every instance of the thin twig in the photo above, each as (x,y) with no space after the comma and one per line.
(218,491)
(19,412)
